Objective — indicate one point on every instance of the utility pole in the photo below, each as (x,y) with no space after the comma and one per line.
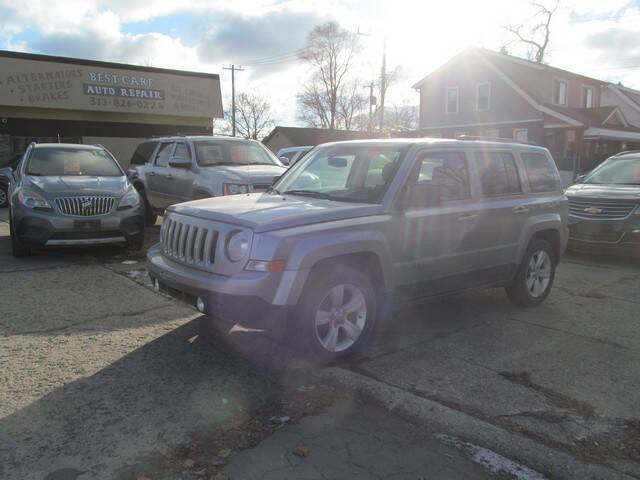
(233,69)
(372,101)
(383,82)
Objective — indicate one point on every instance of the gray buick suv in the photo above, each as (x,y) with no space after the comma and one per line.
(172,170)
(67,194)
(357,228)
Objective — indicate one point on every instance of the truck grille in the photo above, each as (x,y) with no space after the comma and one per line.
(600,208)
(188,243)
(85,206)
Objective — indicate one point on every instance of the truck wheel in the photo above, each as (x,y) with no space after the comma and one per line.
(535,275)
(4,197)
(338,312)
(150,218)
(17,248)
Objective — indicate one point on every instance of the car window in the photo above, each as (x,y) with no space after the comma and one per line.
(60,161)
(164,152)
(288,155)
(540,172)
(447,169)
(498,173)
(182,151)
(209,153)
(375,177)
(623,171)
(143,153)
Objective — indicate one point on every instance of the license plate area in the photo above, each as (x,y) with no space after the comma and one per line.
(86,225)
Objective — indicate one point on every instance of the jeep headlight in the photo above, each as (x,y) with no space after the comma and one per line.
(238,246)
(130,199)
(34,200)
(234,188)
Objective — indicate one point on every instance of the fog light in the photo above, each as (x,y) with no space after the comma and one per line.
(156,285)
(200,305)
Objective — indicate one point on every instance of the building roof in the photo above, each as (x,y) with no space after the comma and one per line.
(315,136)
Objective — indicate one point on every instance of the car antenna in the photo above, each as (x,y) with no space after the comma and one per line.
(58,138)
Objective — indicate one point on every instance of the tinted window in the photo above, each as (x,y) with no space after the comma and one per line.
(625,171)
(447,169)
(182,151)
(162,157)
(498,173)
(233,153)
(55,161)
(540,172)
(143,153)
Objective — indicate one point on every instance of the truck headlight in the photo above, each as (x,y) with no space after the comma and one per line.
(237,246)
(33,200)
(234,188)
(130,199)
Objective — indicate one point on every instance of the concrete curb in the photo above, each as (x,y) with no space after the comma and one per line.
(442,419)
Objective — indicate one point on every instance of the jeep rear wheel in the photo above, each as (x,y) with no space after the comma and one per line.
(338,312)
(535,275)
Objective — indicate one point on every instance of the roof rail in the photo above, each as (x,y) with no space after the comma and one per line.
(626,152)
(180,134)
(494,139)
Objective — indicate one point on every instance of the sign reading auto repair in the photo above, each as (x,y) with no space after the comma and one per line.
(39,83)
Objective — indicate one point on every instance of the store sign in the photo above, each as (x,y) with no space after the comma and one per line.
(42,84)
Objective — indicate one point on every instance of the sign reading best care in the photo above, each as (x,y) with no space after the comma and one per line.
(45,84)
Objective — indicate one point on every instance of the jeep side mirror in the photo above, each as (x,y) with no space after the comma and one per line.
(422,195)
(284,160)
(180,162)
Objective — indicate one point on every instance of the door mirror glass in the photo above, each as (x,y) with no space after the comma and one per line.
(180,162)
(420,195)
(284,160)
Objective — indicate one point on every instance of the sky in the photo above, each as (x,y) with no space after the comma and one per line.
(598,38)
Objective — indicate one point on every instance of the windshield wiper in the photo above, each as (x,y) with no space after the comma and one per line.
(258,163)
(310,193)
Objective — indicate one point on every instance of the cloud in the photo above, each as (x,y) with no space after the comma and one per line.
(615,40)
(265,43)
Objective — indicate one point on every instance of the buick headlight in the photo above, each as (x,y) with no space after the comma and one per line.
(238,246)
(234,188)
(130,199)
(34,200)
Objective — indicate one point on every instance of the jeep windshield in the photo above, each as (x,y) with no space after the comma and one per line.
(56,161)
(349,173)
(212,153)
(621,171)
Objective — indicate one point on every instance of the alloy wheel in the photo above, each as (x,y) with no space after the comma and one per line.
(538,274)
(340,317)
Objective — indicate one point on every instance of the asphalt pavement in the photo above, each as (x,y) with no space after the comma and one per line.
(101,377)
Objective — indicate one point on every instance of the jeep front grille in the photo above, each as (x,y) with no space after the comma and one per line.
(188,243)
(597,208)
(85,206)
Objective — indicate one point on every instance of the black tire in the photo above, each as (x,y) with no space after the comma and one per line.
(17,248)
(317,293)
(150,218)
(4,195)
(519,292)
(136,243)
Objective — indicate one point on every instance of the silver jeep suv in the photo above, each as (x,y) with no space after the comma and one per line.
(171,170)
(356,228)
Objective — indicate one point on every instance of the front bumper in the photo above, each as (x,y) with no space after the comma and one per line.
(243,298)
(605,234)
(39,228)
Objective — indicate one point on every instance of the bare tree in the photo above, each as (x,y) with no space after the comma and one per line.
(253,115)
(331,51)
(402,118)
(536,33)
(351,103)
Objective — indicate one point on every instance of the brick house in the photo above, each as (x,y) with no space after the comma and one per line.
(580,119)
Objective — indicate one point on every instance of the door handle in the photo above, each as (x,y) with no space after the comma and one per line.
(152,173)
(520,209)
(467,218)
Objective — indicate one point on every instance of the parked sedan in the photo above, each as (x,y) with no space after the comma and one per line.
(65,194)
(604,207)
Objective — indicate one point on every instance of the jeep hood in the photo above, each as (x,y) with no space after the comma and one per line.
(265,211)
(607,191)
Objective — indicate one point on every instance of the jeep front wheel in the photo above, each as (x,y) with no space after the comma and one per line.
(338,312)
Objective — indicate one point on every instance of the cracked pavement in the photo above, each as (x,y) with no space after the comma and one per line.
(103,378)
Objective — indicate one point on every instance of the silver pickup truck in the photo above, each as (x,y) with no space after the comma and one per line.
(356,228)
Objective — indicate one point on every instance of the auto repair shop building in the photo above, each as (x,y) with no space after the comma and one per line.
(50,99)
